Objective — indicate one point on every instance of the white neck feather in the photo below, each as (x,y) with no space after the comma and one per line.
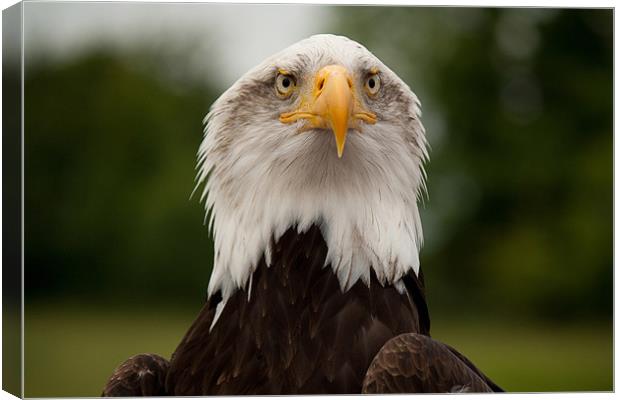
(364,203)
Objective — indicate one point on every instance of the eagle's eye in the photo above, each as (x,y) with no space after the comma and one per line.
(372,84)
(285,84)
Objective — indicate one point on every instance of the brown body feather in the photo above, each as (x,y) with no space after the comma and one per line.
(414,363)
(140,375)
(292,330)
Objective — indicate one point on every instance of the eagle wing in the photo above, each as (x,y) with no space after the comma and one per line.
(141,375)
(415,363)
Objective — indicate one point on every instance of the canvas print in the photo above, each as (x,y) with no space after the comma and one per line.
(236,199)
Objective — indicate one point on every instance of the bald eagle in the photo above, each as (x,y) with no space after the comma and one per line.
(311,168)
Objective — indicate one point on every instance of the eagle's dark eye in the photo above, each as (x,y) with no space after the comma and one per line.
(285,83)
(372,84)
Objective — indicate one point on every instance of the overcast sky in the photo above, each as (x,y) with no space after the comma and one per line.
(228,38)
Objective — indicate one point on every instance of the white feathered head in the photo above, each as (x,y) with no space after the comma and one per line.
(321,133)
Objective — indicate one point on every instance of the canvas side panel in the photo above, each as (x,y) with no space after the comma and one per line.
(12,199)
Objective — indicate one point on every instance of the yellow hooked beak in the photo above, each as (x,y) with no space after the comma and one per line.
(332,105)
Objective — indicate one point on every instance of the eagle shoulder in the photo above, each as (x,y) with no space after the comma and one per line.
(415,363)
(140,375)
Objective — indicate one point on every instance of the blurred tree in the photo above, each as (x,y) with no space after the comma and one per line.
(518,108)
(110,155)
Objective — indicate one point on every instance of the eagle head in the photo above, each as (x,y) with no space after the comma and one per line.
(320,133)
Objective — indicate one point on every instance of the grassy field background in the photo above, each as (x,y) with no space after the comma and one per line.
(72,352)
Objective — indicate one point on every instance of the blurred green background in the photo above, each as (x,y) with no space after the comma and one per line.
(518,222)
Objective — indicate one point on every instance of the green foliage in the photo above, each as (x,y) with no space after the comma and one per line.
(518,109)
(110,156)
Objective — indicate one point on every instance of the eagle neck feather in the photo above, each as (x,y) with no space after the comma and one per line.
(372,227)
(261,179)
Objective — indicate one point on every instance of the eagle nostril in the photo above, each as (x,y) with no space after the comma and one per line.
(320,83)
